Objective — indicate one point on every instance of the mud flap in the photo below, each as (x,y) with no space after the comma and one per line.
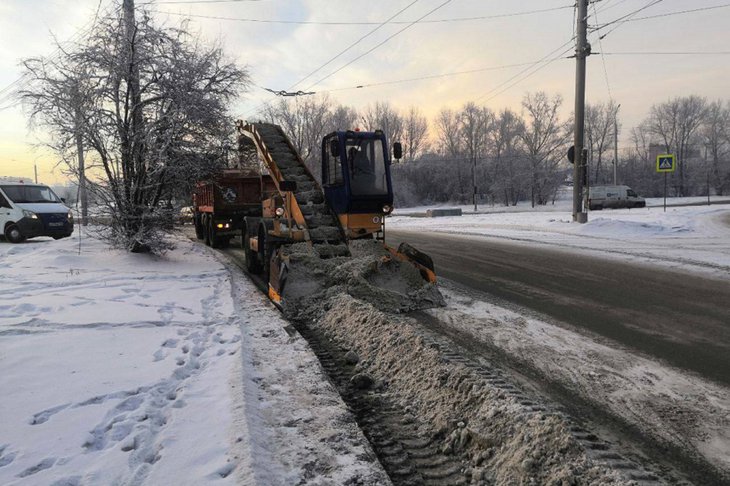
(279,270)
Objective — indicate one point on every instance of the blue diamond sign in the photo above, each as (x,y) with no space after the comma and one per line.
(666,163)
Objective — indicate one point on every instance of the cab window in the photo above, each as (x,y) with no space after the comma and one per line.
(366,163)
(333,168)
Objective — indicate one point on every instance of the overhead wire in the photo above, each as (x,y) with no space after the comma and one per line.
(395,22)
(623,19)
(371,32)
(668,53)
(387,39)
(546,60)
(10,91)
(603,59)
(678,12)
(433,76)
(258,107)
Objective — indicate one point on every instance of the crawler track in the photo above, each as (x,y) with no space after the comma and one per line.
(408,457)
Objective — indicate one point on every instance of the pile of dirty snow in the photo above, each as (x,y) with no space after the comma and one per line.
(502,440)
(371,274)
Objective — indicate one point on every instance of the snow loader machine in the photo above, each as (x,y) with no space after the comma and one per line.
(351,204)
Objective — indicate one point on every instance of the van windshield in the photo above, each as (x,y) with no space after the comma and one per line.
(30,194)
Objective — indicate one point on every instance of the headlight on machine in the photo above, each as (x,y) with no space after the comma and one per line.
(70,216)
(30,214)
(280,212)
(387,209)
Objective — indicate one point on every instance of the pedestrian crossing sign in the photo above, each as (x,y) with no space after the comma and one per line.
(666,163)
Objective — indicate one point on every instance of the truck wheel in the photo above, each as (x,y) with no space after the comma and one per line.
(206,230)
(213,240)
(13,234)
(199,233)
(252,259)
(263,255)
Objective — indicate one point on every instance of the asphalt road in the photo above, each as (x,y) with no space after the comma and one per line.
(680,318)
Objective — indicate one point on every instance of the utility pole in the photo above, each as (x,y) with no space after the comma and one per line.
(35,169)
(615,144)
(582,50)
(132,78)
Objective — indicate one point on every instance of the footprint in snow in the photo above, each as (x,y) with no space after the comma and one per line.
(44,464)
(70,481)
(42,417)
(6,459)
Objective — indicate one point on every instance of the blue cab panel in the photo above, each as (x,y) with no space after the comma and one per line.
(356,172)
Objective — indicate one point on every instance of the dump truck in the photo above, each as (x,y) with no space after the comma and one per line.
(221,204)
(351,204)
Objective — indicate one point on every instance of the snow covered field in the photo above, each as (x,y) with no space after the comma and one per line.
(131,369)
(695,238)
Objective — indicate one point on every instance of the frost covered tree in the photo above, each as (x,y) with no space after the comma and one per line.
(676,124)
(545,139)
(153,114)
(600,121)
(382,116)
(306,121)
(716,135)
(511,172)
(415,134)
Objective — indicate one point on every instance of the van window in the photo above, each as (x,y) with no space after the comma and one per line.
(30,194)
(3,202)
(631,193)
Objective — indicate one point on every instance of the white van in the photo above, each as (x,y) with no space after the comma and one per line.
(600,197)
(28,210)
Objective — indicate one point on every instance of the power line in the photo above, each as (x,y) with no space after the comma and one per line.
(532,65)
(23,80)
(603,59)
(197,1)
(433,76)
(380,26)
(529,75)
(678,12)
(666,53)
(382,43)
(624,18)
(396,22)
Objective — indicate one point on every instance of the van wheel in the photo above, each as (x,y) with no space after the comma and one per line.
(13,234)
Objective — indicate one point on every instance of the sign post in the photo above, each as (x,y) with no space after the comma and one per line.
(666,163)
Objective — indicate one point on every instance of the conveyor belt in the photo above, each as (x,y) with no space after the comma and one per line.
(325,232)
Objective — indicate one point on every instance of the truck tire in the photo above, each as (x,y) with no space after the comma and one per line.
(206,232)
(199,234)
(253,265)
(13,234)
(213,240)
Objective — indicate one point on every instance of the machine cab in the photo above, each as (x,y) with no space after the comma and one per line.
(356,180)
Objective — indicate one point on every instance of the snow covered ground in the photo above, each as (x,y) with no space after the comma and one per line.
(130,369)
(694,238)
